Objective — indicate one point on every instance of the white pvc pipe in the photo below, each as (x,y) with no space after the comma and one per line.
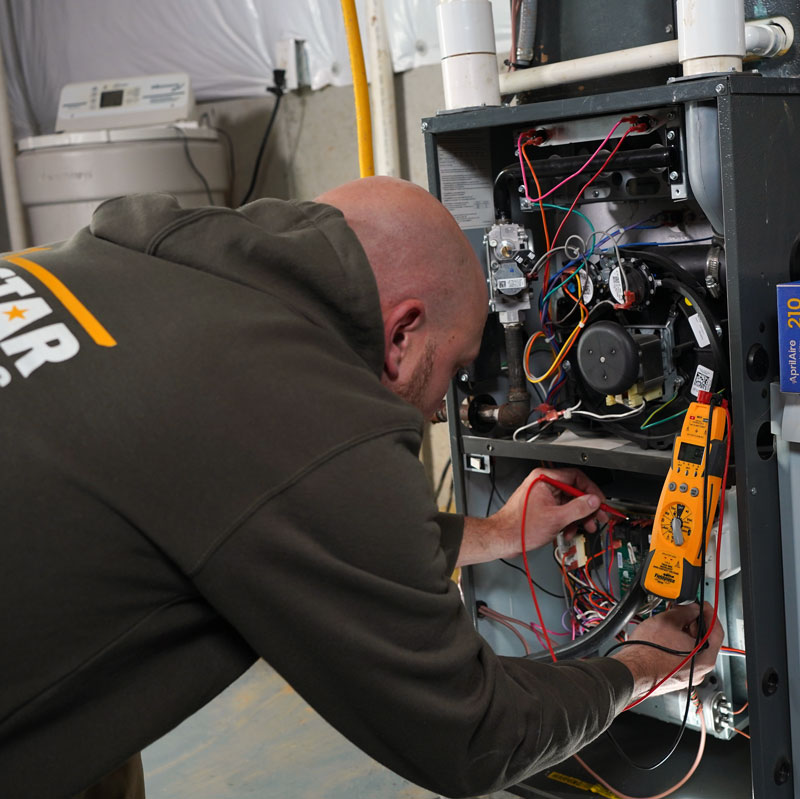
(710,35)
(384,109)
(15,213)
(469,59)
(620,62)
(603,65)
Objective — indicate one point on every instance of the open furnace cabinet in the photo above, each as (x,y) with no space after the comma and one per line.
(669,260)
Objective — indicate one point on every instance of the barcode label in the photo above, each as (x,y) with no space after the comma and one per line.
(703,379)
(511,283)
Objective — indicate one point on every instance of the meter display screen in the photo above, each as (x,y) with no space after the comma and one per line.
(110,99)
(691,453)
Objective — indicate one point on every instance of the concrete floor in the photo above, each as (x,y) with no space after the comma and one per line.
(259,738)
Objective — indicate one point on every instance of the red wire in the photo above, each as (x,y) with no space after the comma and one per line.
(528,571)
(716,581)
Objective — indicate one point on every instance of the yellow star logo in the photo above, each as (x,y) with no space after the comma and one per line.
(16,313)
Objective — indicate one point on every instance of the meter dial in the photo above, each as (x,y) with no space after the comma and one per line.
(676,523)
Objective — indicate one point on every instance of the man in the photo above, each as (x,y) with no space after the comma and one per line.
(212,422)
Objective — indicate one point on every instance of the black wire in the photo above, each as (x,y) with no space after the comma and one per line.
(193,165)
(666,649)
(262,147)
(678,738)
(540,587)
(442,478)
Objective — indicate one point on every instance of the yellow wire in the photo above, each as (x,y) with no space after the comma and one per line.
(659,409)
(567,344)
(360,91)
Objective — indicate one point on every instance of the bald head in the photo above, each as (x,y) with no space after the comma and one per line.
(414,246)
(431,286)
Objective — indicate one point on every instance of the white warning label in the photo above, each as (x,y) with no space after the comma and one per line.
(465,177)
(699,330)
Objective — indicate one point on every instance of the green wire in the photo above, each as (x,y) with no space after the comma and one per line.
(658,410)
(661,421)
(566,210)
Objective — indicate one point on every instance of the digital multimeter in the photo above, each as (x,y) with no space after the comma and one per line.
(673,568)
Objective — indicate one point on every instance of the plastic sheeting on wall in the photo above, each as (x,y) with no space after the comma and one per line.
(228,47)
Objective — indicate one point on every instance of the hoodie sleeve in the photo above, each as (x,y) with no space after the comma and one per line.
(341,582)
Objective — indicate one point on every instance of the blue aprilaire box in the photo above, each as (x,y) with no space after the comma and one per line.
(789,336)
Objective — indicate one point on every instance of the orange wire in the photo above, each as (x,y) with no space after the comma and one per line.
(539,189)
(741,709)
(741,733)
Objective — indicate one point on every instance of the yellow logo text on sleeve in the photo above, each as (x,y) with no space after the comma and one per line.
(31,345)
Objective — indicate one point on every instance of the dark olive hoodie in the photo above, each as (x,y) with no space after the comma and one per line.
(200,467)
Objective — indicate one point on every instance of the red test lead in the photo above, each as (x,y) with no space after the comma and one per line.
(576,492)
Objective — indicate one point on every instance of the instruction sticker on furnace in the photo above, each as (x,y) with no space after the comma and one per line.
(465,177)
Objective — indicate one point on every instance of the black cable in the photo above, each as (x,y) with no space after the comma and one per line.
(589,644)
(192,163)
(442,478)
(279,76)
(540,587)
(666,649)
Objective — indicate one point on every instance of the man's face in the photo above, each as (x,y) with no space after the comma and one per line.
(443,355)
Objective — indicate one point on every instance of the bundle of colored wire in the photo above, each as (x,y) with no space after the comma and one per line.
(562,353)
(510,621)
(701,748)
(635,126)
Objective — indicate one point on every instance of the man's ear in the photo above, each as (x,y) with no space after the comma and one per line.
(400,325)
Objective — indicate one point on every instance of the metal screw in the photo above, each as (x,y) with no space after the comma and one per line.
(673,175)
(521,189)
(490,447)
(668,29)
(424,125)
(595,193)
(719,88)
(670,135)
(492,242)
(753,490)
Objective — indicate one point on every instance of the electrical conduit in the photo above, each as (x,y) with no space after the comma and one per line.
(360,90)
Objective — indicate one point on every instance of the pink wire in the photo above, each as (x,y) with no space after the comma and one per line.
(700,750)
(566,180)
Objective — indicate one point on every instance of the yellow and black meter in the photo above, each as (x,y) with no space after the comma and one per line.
(673,568)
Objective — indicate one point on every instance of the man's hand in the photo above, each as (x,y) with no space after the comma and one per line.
(675,629)
(549,512)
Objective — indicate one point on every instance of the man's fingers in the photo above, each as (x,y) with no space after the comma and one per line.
(575,510)
(682,615)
